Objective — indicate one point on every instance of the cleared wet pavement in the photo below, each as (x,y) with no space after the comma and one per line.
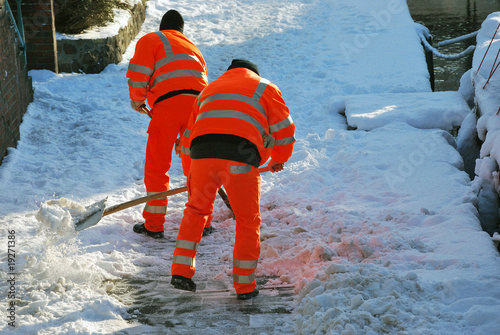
(158,308)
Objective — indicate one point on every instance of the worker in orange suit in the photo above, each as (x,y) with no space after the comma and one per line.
(169,71)
(239,121)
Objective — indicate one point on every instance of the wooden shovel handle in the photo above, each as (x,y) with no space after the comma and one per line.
(146,110)
(119,207)
(147,198)
(264,169)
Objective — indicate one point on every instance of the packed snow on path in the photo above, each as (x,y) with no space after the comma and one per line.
(376,228)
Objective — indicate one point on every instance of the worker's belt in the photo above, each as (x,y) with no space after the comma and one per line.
(174,93)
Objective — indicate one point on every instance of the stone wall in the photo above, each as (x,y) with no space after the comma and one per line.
(16,90)
(92,56)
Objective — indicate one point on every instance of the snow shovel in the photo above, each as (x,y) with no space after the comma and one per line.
(99,209)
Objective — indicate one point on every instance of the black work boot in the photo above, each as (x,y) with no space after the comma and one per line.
(183,283)
(141,229)
(249,295)
(208,230)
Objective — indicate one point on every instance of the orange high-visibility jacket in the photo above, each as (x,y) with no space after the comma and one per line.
(165,61)
(244,104)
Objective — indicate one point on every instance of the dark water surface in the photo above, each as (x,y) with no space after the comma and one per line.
(447,19)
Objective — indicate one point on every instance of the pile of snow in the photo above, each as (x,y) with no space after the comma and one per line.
(60,215)
(441,110)
(487,85)
(482,84)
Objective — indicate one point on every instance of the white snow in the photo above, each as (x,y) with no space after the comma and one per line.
(483,81)
(377,228)
(443,110)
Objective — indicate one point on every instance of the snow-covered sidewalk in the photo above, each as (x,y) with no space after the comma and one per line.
(376,228)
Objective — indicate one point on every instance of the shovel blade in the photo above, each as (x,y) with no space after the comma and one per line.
(95,213)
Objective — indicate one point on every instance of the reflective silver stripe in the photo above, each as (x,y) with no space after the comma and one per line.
(260,88)
(244,279)
(187,133)
(133,83)
(184,244)
(173,58)
(254,102)
(245,264)
(141,69)
(184,260)
(155,209)
(238,97)
(177,74)
(280,125)
(240,170)
(166,44)
(200,97)
(284,141)
(185,151)
(231,114)
(170,57)
(268,141)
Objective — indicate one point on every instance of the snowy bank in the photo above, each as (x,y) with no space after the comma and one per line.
(482,83)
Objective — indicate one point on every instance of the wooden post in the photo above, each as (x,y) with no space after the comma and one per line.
(430,63)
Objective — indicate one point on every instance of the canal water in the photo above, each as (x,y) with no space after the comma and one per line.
(447,19)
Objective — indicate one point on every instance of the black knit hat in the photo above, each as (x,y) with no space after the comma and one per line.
(243,63)
(172,20)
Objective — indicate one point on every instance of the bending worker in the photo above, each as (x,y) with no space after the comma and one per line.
(169,71)
(238,122)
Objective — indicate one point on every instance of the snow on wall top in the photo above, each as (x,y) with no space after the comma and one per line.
(120,20)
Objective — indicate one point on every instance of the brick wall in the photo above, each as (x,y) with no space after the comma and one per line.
(16,90)
(39,30)
(89,56)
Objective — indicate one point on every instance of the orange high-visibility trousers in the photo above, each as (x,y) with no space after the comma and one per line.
(242,184)
(169,119)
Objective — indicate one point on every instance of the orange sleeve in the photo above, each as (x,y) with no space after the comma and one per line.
(281,125)
(186,140)
(141,68)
